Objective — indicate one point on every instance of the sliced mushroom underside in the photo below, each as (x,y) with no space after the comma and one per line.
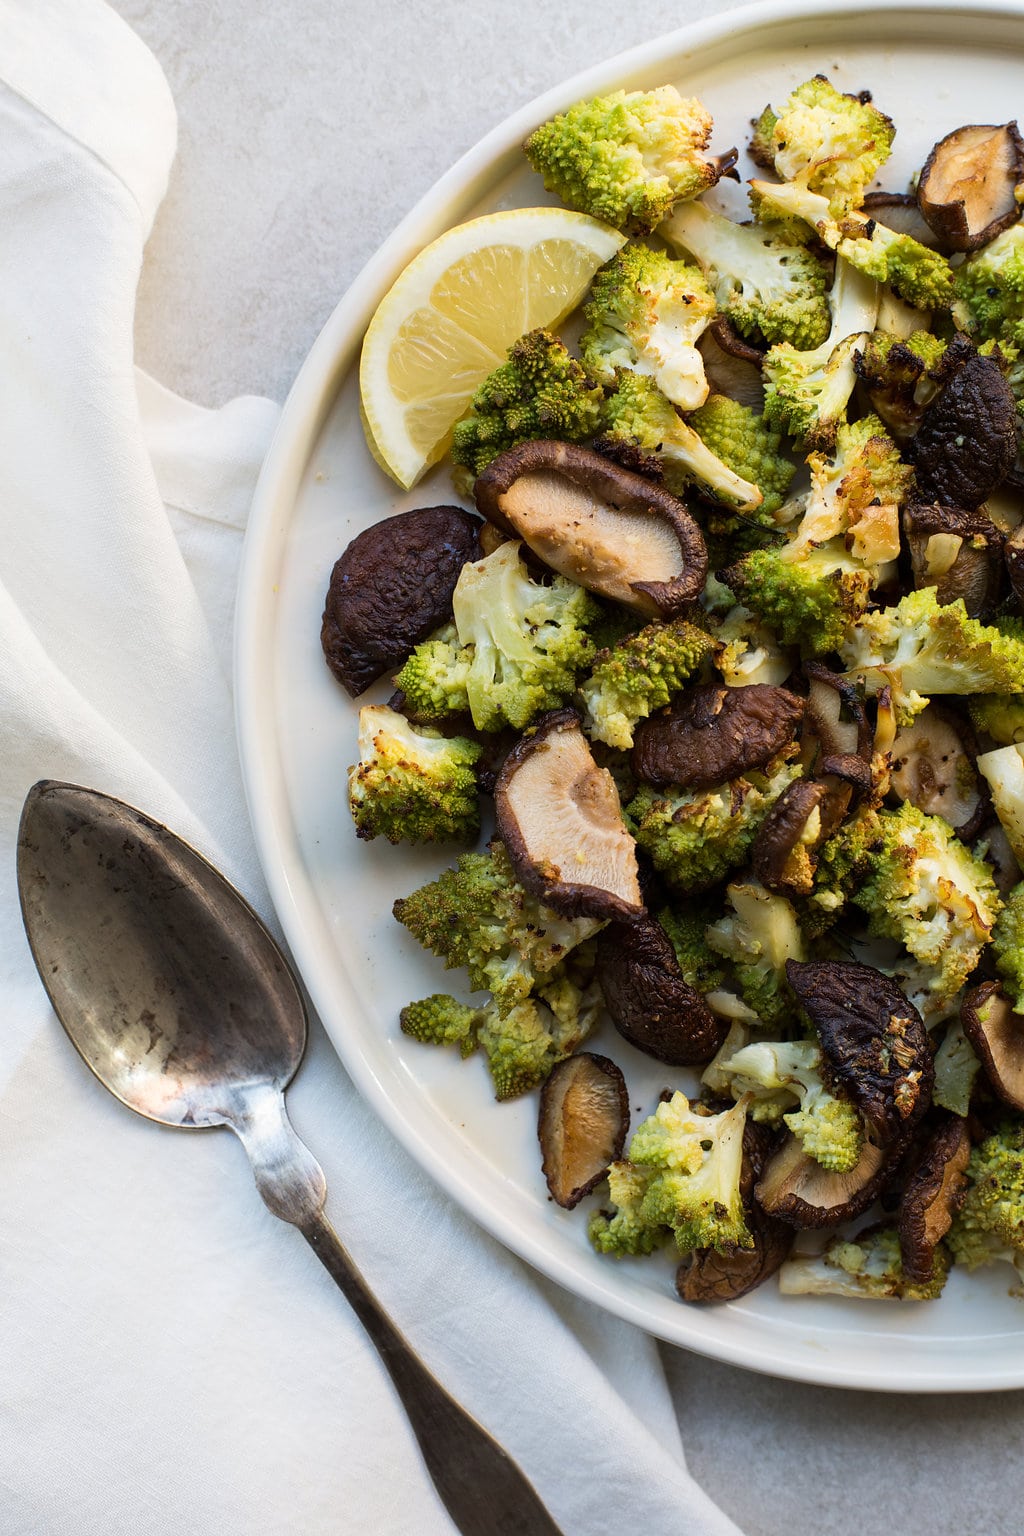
(603,526)
(559,816)
(933,768)
(799,1191)
(582,1124)
(967,187)
(997,1035)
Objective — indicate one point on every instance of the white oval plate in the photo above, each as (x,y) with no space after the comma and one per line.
(932,67)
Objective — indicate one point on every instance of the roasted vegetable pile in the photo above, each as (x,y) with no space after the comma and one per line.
(736,649)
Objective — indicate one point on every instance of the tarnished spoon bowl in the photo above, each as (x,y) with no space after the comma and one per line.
(179,1000)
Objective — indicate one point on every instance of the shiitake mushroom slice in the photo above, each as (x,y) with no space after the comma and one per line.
(581,1125)
(559,816)
(967,188)
(611,530)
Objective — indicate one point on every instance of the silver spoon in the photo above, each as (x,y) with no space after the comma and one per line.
(177,997)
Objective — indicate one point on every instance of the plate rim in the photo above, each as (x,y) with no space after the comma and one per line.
(303,415)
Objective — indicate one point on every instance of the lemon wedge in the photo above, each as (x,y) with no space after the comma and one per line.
(451,315)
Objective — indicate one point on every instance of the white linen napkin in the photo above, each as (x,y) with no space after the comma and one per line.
(172,1359)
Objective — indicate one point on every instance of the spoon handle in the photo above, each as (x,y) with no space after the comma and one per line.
(480,1485)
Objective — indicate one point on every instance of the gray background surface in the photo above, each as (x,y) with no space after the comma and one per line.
(307,129)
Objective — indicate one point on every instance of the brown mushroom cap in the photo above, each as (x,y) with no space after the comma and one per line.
(873,1041)
(649,1001)
(581,1124)
(391,588)
(966,190)
(801,1192)
(932,1196)
(559,816)
(967,443)
(730,371)
(997,1035)
(958,552)
(713,734)
(612,531)
(933,768)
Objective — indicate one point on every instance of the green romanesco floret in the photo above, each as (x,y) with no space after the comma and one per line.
(522,1045)
(990,1224)
(828,142)
(902,376)
(645,313)
(627,157)
(745,442)
(989,299)
(921,647)
(411,784)
(686,924)
(624,1230)
(999,715)
(807,391)
(1008,947)
(639,418)
(770,289)
(785,1081)
(868,1265)
(541,390)
(843,860)
(696,836)
(639,675)
(956,1069)
(681,1178)
(812,588)
(916,274)
(478,916)
(924,888)
(521,646)
(758,934)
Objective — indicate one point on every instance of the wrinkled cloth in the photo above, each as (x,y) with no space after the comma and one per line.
(173,1358)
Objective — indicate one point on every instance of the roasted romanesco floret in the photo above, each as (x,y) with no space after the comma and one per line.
(810,589)
(521,1045)
(646,313)
(681,1178)
(478,916)
(412,784)
(686,924)
(541,390)
(745,442)
(1008,947)
(747,651)
(639,675)
(999,715)
(807,391)
(868,1265)
(696,836)
(921,647)
(902,376)
(771,289)
(922,886)
(759,933)
(520,646)
(786,1084)
(990,1224)
(627,157)
(989,299)
(828,142)
(639,419)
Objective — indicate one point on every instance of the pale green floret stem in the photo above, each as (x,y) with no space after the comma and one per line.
(784,1078)
(1003,771)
